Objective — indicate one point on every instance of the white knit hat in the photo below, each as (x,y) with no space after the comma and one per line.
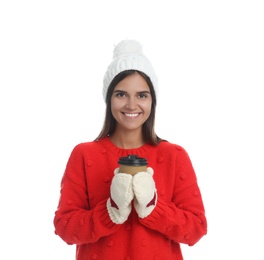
(128,55)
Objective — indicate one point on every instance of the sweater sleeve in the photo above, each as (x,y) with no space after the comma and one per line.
(74,221)
(183,218)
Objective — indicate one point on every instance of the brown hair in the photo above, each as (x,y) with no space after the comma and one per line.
(109,125)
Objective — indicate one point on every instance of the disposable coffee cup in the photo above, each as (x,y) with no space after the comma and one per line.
(132,164)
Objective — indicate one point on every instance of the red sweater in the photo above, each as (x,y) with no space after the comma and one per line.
(82,217)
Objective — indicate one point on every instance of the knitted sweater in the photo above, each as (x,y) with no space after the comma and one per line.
(82,217)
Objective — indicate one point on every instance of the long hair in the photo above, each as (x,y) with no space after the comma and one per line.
(109,125)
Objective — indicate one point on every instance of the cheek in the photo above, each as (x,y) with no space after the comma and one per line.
(113,111)
(147,107)
(115,106)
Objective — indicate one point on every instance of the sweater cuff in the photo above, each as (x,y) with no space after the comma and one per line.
(101,215)
(158,215)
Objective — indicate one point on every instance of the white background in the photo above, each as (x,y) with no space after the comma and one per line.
(210,61)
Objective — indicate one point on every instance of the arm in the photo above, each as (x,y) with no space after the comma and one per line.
(75,222)
(181,219)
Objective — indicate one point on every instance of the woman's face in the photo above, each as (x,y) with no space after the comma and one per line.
(131,103)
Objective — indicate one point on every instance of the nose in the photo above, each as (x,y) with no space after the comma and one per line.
(131,103)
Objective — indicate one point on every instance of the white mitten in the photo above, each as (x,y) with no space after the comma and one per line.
(121,195)
(145,192)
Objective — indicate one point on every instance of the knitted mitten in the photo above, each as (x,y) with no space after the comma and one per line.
(121,195)
(145,192)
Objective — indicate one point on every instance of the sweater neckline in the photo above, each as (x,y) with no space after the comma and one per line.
(145,148)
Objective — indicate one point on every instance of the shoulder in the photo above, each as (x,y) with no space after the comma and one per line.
(85,151)
(85,148)
(172,150)
(166,145)
(176,156)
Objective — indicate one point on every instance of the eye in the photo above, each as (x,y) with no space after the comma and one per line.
(120,94)
(143,95)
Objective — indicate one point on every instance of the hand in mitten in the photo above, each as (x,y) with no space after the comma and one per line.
(145,192)
(121,195)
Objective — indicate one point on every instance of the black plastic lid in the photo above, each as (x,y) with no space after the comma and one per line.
(133,160)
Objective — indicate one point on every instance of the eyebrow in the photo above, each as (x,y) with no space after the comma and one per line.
(139,92)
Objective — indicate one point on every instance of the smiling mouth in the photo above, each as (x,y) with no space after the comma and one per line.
(131,115)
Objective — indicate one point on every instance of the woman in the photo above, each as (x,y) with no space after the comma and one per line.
(110,214)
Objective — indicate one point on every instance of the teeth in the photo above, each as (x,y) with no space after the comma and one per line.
(131,115)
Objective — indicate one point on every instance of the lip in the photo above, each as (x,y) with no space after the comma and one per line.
(131,115)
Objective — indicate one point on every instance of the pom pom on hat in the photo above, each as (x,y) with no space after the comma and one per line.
(128,55)
(126,48)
